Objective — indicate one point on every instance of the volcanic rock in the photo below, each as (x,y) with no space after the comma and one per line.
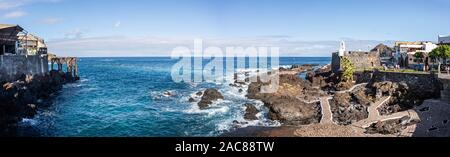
(250,112)
(293,112)
(390,126)
(390,88)
(363,96)
(346,109)
(342,86)
(208,97)
(20,98)
(288,103)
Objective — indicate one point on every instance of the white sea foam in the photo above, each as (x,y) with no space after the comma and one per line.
(84,80)
(227,112)
(214,109)
(284,66)
(29,121)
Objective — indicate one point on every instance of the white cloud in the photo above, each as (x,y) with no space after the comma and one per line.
(154,46)
(14,14)
(50,20)
(76,33)
(117,24)
(11,4)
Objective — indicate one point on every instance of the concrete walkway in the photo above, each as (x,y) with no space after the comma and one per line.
(435,116)
(444,76)
(373,109)
(327,115)
(375,116)
(353,88)
(356,129)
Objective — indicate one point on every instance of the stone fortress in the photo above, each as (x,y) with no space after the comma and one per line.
(360,59)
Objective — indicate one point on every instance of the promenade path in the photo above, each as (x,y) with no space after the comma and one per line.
(444,76)
(327,115)
(375,116)
(351,89)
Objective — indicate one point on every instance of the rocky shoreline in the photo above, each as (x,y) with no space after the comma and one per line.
(365,108)
(21,98)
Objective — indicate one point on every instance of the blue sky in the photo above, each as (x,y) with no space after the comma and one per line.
(154,27)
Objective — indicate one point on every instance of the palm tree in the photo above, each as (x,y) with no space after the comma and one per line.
(419,56)
(439,53)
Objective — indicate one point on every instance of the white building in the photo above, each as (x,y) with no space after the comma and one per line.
(444,39)
(413,47)
(405,52)
(32,45)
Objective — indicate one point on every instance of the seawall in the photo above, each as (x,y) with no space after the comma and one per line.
(13,66)
(422,85)
(26,82)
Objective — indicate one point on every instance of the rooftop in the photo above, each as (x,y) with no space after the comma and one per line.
(4,26)
(29,37)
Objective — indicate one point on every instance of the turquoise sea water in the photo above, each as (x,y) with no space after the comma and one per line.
(123,97)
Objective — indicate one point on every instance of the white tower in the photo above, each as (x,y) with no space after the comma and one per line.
(342,49)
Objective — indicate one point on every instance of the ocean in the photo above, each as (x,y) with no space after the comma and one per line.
(124,97)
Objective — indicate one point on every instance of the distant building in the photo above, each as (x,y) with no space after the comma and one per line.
(405,52)
(32,45)
(21,53)
(360,59)
(386,53)
(444,40)
(8,39)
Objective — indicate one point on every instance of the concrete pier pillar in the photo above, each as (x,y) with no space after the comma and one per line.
(59,65)
(75,68)
(52,64)
(69,66)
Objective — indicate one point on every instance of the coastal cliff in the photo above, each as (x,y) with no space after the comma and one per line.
(21,98)
(376,104)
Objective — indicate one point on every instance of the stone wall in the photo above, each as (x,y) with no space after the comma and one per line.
(364,60)
(13,66)
(425,86)
(445,93)
(335,63)
(361,60)
(363,77)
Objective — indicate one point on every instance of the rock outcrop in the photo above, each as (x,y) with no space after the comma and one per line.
(390,126)
(388,88)
(250,112)
(402,99)
(350,107)
(208,97)
(21,98)
(323,78)
(343,86)
(289,103)
(290,111)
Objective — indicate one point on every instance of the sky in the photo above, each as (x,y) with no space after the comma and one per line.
(155,27)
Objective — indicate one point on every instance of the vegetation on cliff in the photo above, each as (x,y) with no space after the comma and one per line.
(349,70)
